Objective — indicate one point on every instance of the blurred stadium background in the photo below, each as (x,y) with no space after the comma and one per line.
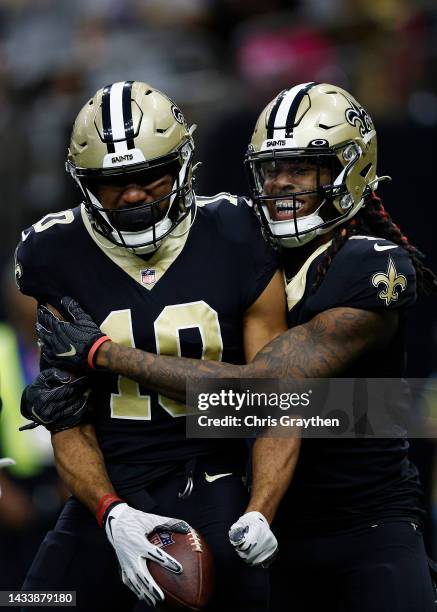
(221,61)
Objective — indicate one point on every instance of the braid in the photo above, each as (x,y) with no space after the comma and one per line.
(374,220)
(340,235)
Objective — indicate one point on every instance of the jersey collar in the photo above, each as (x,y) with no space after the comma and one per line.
(146,272)
(295,289)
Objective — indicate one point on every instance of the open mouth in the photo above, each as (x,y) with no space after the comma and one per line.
(284,210)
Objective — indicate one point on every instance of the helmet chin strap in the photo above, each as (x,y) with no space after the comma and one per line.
(292,242)
(193,218)
(127,239)
(289,226)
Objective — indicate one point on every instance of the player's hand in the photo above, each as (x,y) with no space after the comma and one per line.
(69,345)
(127,530)
(55,400)
(253,539)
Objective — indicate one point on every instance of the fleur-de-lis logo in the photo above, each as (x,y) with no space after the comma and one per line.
(392,281)
(358,115)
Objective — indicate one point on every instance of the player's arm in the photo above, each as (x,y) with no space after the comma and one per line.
(265,319)
(59,402)
(273,464)
(273,459)
(323,347)
(81,466)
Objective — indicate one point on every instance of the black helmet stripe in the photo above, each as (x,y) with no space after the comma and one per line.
(106,119)
(127,114)
(273,113)
(283,115)
(291,116)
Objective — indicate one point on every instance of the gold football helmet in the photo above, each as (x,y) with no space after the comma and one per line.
(323,125)
(131,132)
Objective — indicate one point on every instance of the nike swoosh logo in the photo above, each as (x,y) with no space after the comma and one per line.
(69,353)
(38,418)
(209,478)
(380,247)
(110,519)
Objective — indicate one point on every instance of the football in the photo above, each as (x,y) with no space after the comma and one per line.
(192,589)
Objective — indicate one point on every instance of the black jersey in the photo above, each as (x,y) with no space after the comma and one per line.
(339,484)
(188,298)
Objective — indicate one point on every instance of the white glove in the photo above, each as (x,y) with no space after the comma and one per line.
(5,463)
(127,530)
(253,539)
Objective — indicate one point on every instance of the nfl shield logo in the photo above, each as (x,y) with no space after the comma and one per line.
(162,539)
(148,276)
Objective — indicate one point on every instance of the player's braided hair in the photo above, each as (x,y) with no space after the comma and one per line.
(373,220)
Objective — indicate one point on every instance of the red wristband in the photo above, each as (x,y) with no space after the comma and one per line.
(104,504)
(94,348)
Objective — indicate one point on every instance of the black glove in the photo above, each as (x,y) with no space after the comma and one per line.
(69,345)
(55,400)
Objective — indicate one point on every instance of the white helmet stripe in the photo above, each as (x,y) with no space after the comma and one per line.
(270,121)
(117,116)
(117,119)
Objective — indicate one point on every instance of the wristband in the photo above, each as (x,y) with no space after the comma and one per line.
(93,350)
(103,506)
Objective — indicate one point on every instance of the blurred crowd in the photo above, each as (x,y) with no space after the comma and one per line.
(221,61)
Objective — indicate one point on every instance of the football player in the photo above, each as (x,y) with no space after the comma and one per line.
(164,270)
(348,512)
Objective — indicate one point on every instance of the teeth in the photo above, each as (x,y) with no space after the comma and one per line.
(288,205)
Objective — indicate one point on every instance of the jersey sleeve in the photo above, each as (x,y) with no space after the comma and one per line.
(368,273)
(32,270)
(252,262)
(257,260)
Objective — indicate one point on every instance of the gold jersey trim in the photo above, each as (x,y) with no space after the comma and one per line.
(223,195)
(295,289)
(132,264)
